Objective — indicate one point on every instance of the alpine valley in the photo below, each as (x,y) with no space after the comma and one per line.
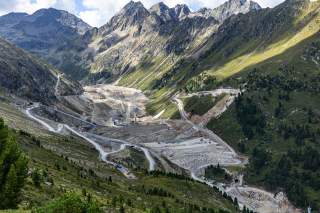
(162,110)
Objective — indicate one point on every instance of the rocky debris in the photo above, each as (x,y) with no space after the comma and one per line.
(126,104)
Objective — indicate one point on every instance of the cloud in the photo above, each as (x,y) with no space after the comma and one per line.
(94,18)
(69,5)
(269,3)
(98,12)
(30,6)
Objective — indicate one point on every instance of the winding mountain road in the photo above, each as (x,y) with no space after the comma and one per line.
(103,154)
(56,88)
(254,198)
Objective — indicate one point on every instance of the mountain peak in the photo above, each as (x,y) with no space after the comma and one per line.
(162,10)
(166,13)
(49,13)
(132,6)
(14,14)
(63,17)
(159,8)
(131,14)
(182,10)
(12,18)
(242,3)
(233,7)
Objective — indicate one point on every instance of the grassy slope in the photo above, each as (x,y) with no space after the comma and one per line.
(144,77)
(303,28)
(269,62)
(68,161)
(245,54)
(295,110)
(200,105)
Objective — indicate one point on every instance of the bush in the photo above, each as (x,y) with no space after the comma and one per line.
(199,105)
(70,203)
(36,178)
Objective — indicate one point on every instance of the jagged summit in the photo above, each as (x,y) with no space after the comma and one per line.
(163,11)
(141,32)
(135,13)
(132,5)
(159,8)
(182,10)
(233,7)
(131,14)
(166,13)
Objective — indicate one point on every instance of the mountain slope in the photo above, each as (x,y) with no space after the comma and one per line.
(284,91)
(230,8)
(274,55)
(50,34)
(138,43)
(241,42)
(69,164)
(271,32)
(27,77)
(133,38)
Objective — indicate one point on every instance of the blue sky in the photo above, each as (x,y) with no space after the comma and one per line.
(98,12)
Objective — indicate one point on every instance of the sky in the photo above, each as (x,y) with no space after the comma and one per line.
(98,12)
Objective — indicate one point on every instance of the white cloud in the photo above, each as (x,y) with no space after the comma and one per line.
(30,6)
(98,12)
(94,17)
(69,5)
(269,3)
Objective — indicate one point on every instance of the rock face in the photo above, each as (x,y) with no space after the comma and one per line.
(265,25)
(129,40)
(233,7)
(27,77)
(136,34)
(49,33)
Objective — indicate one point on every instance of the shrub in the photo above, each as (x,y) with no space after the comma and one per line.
(70,203)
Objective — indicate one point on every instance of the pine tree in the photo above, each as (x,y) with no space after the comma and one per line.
(122,209)
(13,169)
(36,178)
(235,202)
(10,188)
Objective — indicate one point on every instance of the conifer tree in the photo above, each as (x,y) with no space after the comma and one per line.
(13,169)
